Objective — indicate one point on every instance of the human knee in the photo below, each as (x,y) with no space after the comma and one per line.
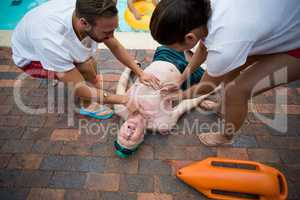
(88,66)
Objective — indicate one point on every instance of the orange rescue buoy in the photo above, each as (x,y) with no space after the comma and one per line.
(227,179)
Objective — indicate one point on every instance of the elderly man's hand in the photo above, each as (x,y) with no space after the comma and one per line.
(168,88)
(150,80)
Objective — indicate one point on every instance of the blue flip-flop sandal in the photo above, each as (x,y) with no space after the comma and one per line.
(95,114)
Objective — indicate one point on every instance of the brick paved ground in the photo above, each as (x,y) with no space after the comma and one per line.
(42,157)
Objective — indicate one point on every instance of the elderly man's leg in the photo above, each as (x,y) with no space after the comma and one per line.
(240,90)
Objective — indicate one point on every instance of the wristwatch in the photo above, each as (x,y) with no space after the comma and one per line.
(105,94)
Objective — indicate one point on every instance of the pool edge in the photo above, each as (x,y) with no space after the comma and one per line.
(130,40)
(5,37)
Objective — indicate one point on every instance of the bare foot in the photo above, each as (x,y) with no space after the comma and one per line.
(214,139)
(210,105)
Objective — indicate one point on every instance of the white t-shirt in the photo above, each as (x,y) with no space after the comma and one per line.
(241,28)
(46,34)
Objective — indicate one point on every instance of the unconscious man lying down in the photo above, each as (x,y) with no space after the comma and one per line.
(163,116)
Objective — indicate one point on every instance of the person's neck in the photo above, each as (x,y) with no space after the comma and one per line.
(79,33)
(177,47)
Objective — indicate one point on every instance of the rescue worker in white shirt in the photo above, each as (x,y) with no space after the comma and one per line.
(58,40)
(249,46)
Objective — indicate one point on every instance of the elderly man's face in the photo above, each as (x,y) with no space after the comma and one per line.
(103,29)
(132,131)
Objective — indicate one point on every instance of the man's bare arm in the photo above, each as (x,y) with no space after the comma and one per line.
(84,91)
(123,56)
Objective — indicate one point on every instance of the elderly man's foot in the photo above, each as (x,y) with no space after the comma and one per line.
(214,139)
(210,105)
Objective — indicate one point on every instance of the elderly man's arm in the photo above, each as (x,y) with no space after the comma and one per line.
(82,90)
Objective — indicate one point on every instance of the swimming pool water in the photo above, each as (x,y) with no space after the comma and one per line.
(12,11)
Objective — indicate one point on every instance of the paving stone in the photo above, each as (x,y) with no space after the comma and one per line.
(243,141)
(169,152)
(93,164)
(33,178)
(279,142)
(156,184)
(145,152)
(13,193)
(178,164)
(190,195)
(154,196)
(292,172)
(25,161)
(37,133)
(292,126)
(33,121)
(57,122)
(11,132)
(137,183)
(293,191)
(3,99)
(264,155)
(10,120)
(46,194)
(8,75)
(4,160)
(154,167)
(47,147)
(67,180)
(104,150)
(232,153)
(5,109)
(118,196)
(76,148)
(183,140)
(170,185)
(38,93)
(65,135)
(73,163)
(117,165)
(289,156)
(255,130)
(8,178)
(75,194)
(156,139)
(291,109)
(199,152)
(102,182)
(266,108)
(17,146)
(2,142)
(15,110)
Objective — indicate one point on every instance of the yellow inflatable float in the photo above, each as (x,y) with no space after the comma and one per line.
(146,9)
